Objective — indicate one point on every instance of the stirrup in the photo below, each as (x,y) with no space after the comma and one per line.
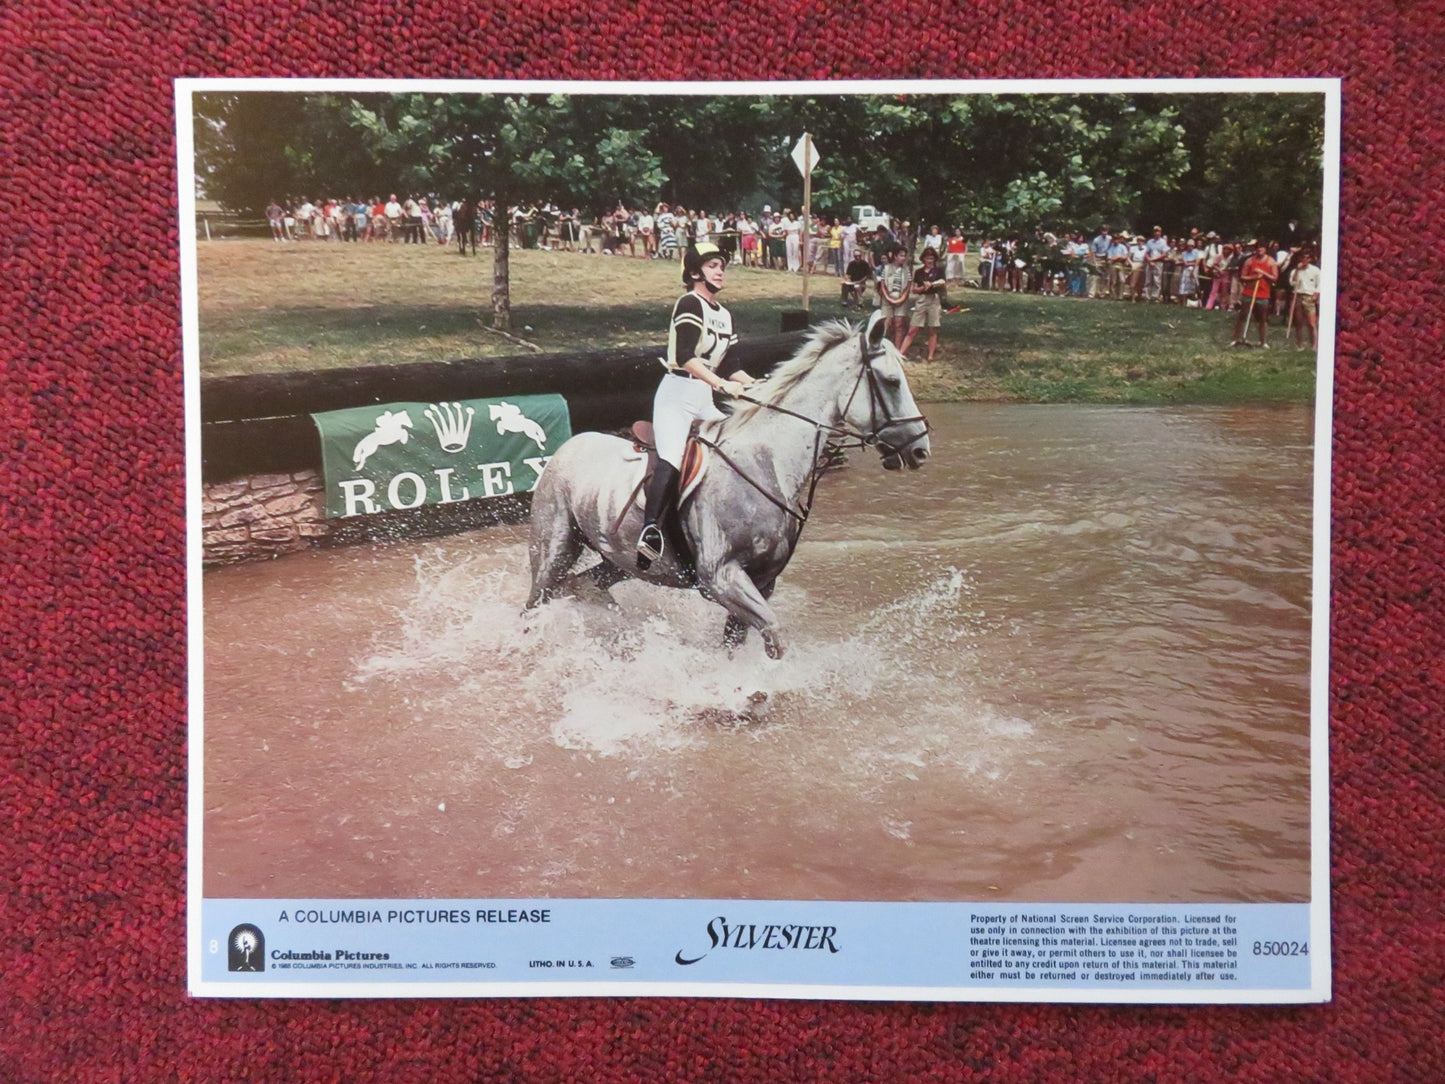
(649,546)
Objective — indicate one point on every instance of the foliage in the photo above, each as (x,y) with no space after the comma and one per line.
(995,163)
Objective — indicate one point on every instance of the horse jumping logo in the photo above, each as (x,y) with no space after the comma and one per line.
(510,419)
(391,428)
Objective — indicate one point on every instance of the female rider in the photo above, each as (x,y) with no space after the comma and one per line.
(699,336)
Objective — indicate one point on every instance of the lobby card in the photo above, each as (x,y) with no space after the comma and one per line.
(1032,706)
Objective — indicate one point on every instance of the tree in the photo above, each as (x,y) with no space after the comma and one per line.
(257,147)
(1264,165)
(1006,163)
(510,148)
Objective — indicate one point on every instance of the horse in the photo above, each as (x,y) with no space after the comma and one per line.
(746,515)
(464,222)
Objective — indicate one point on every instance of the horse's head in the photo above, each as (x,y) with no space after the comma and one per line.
(850,383)
(881,405)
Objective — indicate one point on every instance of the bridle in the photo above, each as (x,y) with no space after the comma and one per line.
(841,437)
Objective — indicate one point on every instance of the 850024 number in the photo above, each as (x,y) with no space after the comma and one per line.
(1281,948)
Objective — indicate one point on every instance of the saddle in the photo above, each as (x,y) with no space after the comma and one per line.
(694,458)
(694,464)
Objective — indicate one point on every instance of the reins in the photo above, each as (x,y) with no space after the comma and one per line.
(863,439)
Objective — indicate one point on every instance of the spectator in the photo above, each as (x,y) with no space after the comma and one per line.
(1120,265)
(1256,279)
(1283,291)
(1156,250)
(1187,287)
(1219,273)
(957,250)
(793,237)
(1170,273)
(304,214)
(1304,315)
(1236,265)
(850,241)
(1098,261)
(880,246)
(411,221)
(276,217)
(646,230)
(664,222)
(680,226)
(1014,269)
(394,215)
(1138,253)
(893,289)
(856,276)
(928,286)
(1075,254)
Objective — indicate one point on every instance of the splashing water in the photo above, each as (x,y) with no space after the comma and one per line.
(889,696)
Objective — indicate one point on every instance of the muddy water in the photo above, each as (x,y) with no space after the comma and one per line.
(1066,661)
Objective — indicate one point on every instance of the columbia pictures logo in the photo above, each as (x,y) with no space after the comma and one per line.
(246,949)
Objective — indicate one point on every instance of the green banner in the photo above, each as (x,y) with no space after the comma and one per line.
(403,455)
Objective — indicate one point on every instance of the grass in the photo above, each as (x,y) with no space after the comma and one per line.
(266,307)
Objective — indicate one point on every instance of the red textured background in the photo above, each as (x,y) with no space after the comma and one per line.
(92,692)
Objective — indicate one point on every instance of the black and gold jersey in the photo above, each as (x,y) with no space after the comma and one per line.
(699,329)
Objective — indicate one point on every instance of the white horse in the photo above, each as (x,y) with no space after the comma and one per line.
(745,517)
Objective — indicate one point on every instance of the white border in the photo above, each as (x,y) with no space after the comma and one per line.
(1320,964)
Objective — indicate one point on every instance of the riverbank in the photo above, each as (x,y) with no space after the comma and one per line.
(266,307)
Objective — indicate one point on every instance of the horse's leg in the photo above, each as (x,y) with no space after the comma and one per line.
(733,589)
(553,552)
(594,584)
(735,632)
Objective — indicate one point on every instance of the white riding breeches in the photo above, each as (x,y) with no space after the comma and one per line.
(680,400)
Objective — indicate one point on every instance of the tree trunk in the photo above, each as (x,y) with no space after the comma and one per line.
(501,266)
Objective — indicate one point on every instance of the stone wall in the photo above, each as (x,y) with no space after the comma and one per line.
(264,515)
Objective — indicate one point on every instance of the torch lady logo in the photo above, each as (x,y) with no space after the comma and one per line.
(246,949)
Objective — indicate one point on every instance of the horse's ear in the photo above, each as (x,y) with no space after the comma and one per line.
(874,333)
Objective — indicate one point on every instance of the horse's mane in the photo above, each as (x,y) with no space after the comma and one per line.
(787,376)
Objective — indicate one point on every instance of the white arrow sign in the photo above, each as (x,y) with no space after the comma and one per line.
(805,155)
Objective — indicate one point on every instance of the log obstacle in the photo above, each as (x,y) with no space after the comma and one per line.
(261,456)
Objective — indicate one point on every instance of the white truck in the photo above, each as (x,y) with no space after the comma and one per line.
(869,217)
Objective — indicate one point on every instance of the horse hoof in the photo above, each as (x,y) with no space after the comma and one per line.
(772,645)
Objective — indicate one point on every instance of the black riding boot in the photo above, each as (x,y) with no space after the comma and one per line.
(659,491)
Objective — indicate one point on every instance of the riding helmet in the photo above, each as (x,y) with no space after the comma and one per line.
(695,257)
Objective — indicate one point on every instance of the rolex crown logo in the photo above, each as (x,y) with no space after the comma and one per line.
(452,428)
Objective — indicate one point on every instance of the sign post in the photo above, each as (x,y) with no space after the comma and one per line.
(805,155)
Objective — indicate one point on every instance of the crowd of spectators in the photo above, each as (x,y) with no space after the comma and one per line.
(411,221)
(1195,269)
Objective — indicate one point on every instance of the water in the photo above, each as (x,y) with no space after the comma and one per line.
(1068,660)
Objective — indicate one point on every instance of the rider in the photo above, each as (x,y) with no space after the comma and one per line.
(698,338)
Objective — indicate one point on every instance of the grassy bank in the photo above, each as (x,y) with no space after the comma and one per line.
(267,308)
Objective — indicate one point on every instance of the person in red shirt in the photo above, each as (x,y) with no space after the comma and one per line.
(1256,279)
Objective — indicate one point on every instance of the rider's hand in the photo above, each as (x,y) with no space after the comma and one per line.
(731,388)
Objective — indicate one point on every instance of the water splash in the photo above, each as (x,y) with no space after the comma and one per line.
(889,698)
